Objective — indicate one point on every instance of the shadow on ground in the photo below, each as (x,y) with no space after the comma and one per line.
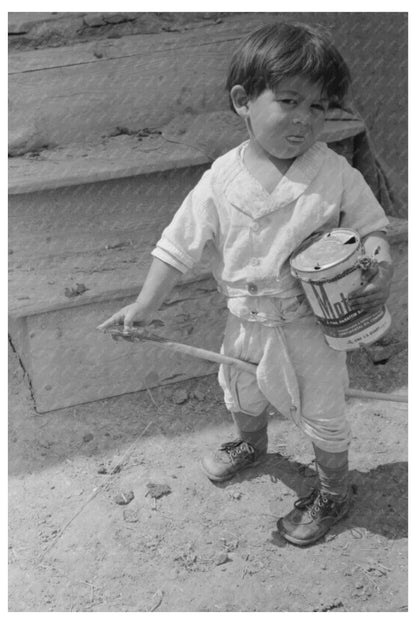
(381,488)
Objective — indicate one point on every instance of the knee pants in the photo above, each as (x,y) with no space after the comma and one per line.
(297,373)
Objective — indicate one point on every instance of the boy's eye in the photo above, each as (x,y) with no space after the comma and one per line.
(289,101)
(319,107)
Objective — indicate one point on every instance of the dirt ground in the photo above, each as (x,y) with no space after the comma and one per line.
(183,544)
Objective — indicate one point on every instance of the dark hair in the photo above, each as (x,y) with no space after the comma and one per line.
(282,50)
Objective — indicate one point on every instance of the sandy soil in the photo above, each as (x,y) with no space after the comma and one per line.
(190,545)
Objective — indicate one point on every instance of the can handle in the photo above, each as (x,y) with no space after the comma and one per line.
(368,265)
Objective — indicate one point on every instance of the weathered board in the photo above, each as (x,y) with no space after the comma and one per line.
(77,215)
(66,95)
(63,96)
(187,140)
(69,362)
(99,235)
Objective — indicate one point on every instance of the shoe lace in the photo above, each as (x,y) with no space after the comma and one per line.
(313,502)
(237,447)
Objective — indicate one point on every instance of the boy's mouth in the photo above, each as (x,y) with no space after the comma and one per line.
(295,139)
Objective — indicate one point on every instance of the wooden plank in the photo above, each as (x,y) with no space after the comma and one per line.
(100,50)
(99,235)
(18,328)
(186,140)
(139,81)
(67,104)
(114,158)
(73,363)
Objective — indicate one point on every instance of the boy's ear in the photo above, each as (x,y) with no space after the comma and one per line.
(240,100)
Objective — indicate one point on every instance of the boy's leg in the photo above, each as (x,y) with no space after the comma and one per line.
(323,374)
(315,514)
(247,404)
(244,452)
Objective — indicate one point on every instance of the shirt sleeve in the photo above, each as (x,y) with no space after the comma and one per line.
(360,209)
(194,224)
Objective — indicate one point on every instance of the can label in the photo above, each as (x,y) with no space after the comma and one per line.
(327,292)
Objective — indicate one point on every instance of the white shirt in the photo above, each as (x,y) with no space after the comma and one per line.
(250,234)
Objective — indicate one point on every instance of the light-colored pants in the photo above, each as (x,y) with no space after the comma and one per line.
(297,372)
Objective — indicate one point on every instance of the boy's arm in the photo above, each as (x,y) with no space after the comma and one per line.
(377,289)
(159,282)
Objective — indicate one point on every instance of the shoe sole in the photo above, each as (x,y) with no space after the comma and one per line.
(217,479)
(298,542)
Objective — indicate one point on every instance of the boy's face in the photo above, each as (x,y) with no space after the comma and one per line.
(285,122)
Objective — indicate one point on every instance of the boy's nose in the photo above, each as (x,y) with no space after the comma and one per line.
(302,118)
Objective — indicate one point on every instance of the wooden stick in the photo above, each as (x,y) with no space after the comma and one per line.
(211,356)
(366,394)
(134,335)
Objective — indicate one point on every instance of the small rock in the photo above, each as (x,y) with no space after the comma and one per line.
(230,545)
(198,395)
(94,20)
(157,490)
(131,515)
(116,18)
(221,558)
(235,495)
(180,396)
(124,498)
(87,437)
(75,291)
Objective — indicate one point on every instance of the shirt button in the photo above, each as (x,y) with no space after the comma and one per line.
(254,262)
(252,288)
(255,226)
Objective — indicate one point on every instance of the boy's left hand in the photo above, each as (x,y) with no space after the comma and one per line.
(376,291)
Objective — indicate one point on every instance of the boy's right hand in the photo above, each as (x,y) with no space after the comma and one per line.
(126,316)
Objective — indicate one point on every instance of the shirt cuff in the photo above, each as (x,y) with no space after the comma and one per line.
(166,257)
(380,225)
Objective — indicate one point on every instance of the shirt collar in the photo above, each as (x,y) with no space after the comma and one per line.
(247,194)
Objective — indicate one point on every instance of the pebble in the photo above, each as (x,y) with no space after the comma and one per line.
(124,498)
(234,494)
(180,396)
(221,558)
(75,291)
(198,395)
(131,515)
(157,490)
(94,20)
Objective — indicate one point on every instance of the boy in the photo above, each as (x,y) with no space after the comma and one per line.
(252,208)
